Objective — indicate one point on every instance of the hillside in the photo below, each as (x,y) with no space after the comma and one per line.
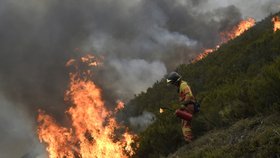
(238,87)
(250,137)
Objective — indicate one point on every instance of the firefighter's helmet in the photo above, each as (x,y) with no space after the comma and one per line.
(173,78)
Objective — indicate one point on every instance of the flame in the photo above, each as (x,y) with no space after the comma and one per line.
(276,22)
(94,129)
(119,106)
(90,60)
(161,110)
(58,138)
(70,62)
(226,36)
(243,26)
(203,54)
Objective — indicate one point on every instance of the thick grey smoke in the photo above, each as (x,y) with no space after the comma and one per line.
(132,73)
(141,122)
(257,9)
(141,40)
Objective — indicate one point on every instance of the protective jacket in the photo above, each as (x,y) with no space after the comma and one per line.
(185,93)
(185,113)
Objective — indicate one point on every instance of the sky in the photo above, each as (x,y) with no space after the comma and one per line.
(140,40)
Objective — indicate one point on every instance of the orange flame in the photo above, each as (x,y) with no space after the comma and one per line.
(70,62)
(120,106)
(276,22)
(58,138)
(243,26)
(94,127)
(226,36)
(203,54)
(90,60)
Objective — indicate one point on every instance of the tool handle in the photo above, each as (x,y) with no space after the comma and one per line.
(167,108)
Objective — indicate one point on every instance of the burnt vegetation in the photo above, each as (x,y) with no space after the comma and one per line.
(238,87)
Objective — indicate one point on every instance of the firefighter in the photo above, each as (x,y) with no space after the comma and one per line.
(188,102)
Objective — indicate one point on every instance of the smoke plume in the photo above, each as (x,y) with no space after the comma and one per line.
(17,130)
(141,40)
(141,122)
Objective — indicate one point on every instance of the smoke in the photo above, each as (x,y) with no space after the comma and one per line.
(130,77)
(257,9)
(141,40)
(141,122)
(17,130)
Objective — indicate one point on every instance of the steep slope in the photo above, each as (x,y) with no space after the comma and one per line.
(239,81)
(250,137)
